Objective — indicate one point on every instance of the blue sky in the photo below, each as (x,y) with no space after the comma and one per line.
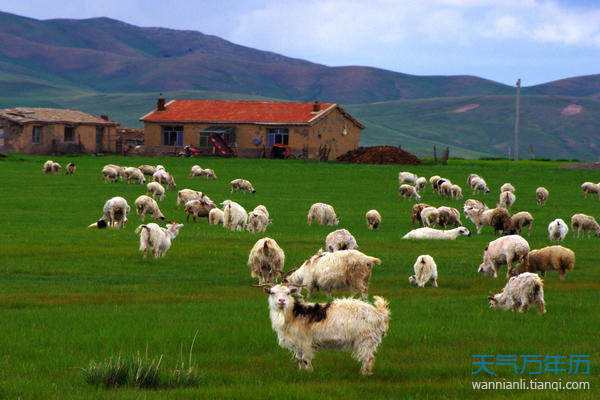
(502,40)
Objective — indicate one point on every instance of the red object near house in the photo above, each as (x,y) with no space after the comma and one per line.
(221,147)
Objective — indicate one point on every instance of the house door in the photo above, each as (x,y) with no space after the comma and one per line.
(99,138)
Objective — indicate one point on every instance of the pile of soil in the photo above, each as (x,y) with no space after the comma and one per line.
(594,165)
(379,155)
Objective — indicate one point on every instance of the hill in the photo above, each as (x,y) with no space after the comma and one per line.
(551,126)
(103,54)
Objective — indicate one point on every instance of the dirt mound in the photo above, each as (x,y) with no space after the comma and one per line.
(379,155)
(465,108)
(571,109)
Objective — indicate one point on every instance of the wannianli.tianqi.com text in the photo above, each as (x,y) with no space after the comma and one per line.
(530,384)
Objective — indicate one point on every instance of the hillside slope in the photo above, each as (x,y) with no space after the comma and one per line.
(551,126)
(107,55)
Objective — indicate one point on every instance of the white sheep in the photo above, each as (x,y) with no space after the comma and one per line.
(430,217)
(437,234)
(456,192)
(323,214)
(234,216)
(373,219)
(521,220)
(203,172)
(147,169)
(196,170)
(241,185)
(344,270)
(504,250)
(147,205)
(409,192)
(584,223)
(198,208)
(133,174)
(157,238)
(110,174)
(425,271)
(478,184)
(258,219)
(541,195)
(445,189)
(344,324)
(163,177)
(51,167)
(520,293)
(590,188)
(114,214)
(506,199)
(340,239)
(266,261)
(420,184)
(557,230)
(448,216)
(407,177)
(215,216)
(507,187)
(185,195)
(120,170)
(156,190)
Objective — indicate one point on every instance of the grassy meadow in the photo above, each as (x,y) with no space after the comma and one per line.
(71,295)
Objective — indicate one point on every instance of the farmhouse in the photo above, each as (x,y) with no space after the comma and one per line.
(251,128)
(52,130)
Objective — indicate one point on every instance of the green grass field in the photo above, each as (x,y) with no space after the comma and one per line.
(69,295)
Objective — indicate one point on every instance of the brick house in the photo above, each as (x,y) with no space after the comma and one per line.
(51,130)
(251,128)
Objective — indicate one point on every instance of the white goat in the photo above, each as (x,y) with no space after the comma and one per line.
(114,214)
(156,190)
(520,292)
(241,185)
(133,174)
(215,216)
(147,205)
(437,234)
(425,271)
(323,214)
(234,216)
(504,250)
(373,219)
(557,230)
(266,260)
(340,239)
(157,238)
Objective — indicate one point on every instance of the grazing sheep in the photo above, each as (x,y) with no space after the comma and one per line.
(162,176)
(434,179)
(198,208)
(234,216)
(215,216)
(148,170)
(70,168)
(507,187)
(430,216)
(133,174)
(241,185)
(160,167)
(445,189)
(196,170)
(416,213)
(550,258)
(156,190)
(456,192)
(340,240)
(157,238)
(425,271)
(343,324)
(266,261)
(590,188)
(409,192)
(110,174)
(557,230)
(323,214)
(114,214)
(51,167)
(518,222)
(541,195)
(120,170)
(504,250)
(584,223)
(448,216)
(437,234)
(147,205)
(470,179)
(506,200)
(258,219)
(520,293)
(478,184)
(344,270)
(207,173)
(373,219)
(497,218)
(420,184)
(438,184)
(185,195)
(407,177)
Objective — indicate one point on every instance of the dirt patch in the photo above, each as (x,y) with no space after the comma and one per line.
(465,108)
(595,165)
(571,109)
(379,155)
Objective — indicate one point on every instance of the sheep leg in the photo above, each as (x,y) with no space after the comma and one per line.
(434,283)
(509,268)
(542,306)
(364,352)
(561,274)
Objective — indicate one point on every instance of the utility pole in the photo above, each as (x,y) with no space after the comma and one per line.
(517,112)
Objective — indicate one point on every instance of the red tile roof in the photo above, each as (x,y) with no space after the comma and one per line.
(238,111)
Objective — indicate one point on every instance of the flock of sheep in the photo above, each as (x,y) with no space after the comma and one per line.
(349,323)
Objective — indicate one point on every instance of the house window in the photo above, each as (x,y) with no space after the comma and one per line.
(172,135)
(36,135)
(278,136)
(226,133)
(69,134)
